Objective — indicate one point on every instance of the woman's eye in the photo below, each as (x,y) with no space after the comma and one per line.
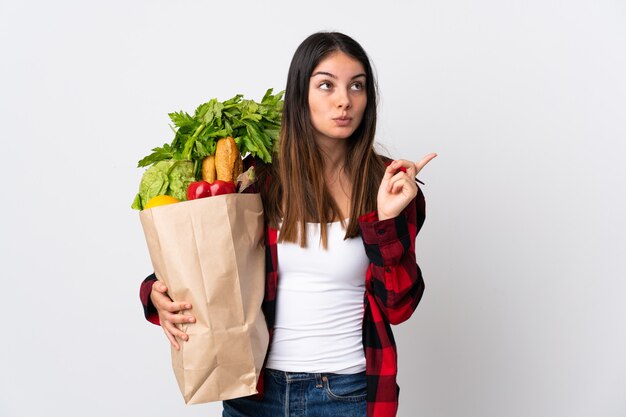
(324,85)
(357,86)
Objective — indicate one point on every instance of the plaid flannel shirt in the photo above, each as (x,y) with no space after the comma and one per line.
(394,286)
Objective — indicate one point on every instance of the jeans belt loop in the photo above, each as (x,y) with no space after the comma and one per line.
(318,380)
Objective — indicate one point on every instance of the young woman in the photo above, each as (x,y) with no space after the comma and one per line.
(341,223)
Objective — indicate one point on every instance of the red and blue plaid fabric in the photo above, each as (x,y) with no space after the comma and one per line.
(394,287)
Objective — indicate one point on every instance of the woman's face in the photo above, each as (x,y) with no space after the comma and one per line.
(337,97)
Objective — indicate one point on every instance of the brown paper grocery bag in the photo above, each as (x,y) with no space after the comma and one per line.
(210,253)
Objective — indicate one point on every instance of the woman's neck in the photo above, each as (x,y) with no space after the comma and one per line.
(335,177)
(334,154)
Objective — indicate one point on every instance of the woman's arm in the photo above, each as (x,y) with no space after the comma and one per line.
(393,276)
(149,311)
(159,309)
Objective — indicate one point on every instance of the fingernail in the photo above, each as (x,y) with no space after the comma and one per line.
(191,320)
(187,306)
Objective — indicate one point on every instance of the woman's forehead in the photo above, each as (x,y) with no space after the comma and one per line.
(339,64)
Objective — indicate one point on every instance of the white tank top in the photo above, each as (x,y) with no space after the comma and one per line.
(319,304)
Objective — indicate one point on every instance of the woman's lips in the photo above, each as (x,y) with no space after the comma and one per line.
(342,121)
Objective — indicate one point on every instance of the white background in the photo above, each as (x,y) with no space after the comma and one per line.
(523,248)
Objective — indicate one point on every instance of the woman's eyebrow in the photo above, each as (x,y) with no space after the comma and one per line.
(328,74)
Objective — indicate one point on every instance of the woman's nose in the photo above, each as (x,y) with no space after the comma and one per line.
(343,99)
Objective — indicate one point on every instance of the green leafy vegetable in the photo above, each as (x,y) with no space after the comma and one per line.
(254,126)
(168,177)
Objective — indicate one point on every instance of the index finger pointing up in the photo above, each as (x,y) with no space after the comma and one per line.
(421,164)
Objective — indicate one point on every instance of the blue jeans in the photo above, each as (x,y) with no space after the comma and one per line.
(301,394)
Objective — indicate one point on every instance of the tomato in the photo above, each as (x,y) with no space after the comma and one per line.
(202,189)
(199,189)
(219,187)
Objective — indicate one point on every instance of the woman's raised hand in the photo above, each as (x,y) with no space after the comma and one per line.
(398,186)
(170,313)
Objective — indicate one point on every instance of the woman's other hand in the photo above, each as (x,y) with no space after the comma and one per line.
(398,186)
(170,313)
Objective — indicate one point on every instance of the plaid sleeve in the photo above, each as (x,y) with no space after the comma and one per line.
(149,310)
(269,299)
(393,277)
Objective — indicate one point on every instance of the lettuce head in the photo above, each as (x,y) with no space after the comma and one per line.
(168,177)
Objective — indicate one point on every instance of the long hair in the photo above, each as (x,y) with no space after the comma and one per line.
(298,170)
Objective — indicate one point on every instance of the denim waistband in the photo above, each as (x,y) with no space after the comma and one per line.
(287,376)
(295,376)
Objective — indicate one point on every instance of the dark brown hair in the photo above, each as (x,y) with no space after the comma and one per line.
(297,172)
